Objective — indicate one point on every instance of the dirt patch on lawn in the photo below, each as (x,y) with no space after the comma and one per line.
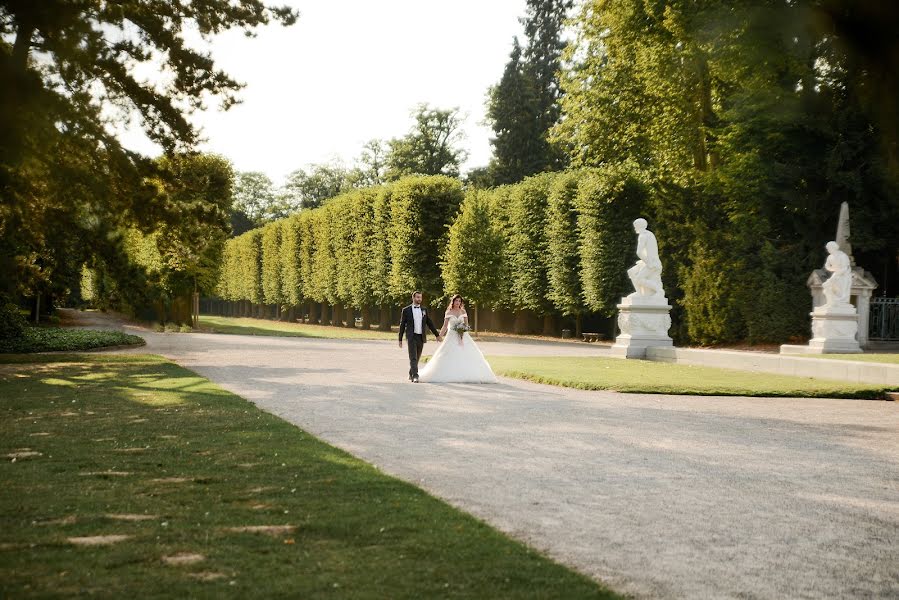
(131,517)
(272,530)
(183,558)
(207,576)
(98,540)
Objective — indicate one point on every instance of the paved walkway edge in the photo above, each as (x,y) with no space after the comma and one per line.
(837,370)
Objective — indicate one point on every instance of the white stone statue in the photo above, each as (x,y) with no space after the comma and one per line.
(838,286)
(646,274)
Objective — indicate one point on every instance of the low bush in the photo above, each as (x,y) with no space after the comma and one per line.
(56,339)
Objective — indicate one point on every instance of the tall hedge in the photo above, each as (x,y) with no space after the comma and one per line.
(420,210)
(526,243)
(554,244)
(323,284)
(608,201)
(563,260)
(380,260)
(290,256)
(271,263)
(473,262)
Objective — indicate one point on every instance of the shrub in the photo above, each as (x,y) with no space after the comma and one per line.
(12,323)
(57,339)
(185,329)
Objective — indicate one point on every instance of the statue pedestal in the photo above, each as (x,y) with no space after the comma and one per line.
(834,331)
(644,323)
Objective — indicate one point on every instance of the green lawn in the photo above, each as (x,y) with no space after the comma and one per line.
(55,339)
(640,376)
(100,445)
(245,326)
(874,358)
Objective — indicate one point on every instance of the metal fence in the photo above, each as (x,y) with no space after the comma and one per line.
(883,322)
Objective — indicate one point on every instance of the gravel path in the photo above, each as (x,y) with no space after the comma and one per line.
(657,496)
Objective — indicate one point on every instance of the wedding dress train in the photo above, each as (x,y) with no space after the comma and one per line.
(457,360)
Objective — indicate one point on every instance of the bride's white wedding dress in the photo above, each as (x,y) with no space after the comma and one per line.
(457,360)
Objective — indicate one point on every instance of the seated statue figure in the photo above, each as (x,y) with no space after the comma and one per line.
(646,274)
(838,286)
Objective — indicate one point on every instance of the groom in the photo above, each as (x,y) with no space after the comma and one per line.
(415,317)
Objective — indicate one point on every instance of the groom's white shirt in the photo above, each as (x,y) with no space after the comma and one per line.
(416,319)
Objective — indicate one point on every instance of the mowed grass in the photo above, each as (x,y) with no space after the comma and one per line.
(246,326)
(135,446)
(640,376)
(892,359)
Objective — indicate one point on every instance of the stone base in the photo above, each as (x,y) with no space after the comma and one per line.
(834,331)
(643,325)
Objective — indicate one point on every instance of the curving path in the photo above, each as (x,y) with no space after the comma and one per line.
(658,496)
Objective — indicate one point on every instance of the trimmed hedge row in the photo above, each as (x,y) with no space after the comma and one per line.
(555,244)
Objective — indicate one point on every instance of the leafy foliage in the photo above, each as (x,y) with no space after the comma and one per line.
(524,106)
(750,123)
(473,262)
(563,262)
(57,339)
(607,203)
(429,148)
(68,71)
(525,248)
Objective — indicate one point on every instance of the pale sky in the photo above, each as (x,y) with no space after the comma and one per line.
(351,70)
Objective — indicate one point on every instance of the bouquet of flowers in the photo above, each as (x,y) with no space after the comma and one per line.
(461,327)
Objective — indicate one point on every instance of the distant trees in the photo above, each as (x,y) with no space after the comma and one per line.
(430,147)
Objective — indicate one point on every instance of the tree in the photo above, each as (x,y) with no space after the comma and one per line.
(67,71)
(254,197)
(472,264)
(526,245)
(607,203)
(563,267)
(310,188)
(514,115)
(751,123)
(421,209)
(372,164)
(272,286)
(524,106)
(430,146)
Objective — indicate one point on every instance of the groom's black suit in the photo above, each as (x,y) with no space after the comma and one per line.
(415,341)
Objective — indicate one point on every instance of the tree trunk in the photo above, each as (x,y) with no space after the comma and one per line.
(336,313)
(292,314)
(384,318)
(578,326)
(549,325)
(366,317)
(351,317)
(22,47)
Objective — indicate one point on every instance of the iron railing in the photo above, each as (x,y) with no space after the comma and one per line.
(883,321)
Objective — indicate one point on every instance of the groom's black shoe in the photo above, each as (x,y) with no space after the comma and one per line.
(415,379)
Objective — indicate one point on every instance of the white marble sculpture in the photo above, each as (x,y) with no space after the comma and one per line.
(835,324)
(646,274)
(643,316)
(837,287)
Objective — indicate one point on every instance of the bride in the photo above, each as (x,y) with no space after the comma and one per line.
(458,359)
